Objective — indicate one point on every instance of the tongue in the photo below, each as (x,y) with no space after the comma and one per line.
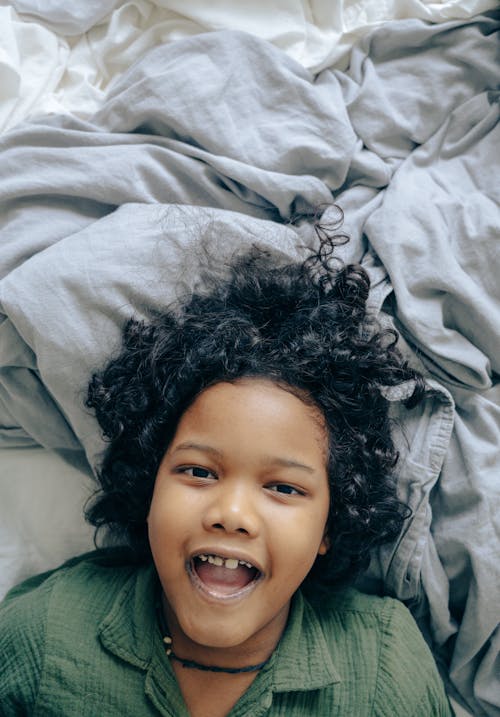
(224,579)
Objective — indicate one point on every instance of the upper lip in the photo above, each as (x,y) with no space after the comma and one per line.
(228,553)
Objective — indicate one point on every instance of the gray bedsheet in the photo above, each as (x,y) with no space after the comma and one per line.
(221,139)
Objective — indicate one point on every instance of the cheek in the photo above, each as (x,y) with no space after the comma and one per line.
(301,539)
(318,526)
(165,514)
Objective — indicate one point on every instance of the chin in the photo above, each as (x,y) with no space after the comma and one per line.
(217,637)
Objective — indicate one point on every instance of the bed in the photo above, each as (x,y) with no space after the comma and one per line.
(131,131)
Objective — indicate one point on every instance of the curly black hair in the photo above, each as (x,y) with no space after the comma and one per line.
(301,324)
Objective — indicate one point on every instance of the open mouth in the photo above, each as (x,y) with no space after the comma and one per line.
(223,577)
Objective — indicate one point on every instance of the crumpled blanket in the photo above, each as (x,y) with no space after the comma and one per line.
(59,56)
(103,218)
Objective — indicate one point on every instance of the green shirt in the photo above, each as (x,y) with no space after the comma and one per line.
(84,641)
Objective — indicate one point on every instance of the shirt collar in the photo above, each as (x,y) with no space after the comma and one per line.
(129,629)
(302,660)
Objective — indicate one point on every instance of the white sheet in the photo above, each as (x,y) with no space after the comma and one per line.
(57,56)
(41,519)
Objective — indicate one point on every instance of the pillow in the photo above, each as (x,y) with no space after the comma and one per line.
(66,306)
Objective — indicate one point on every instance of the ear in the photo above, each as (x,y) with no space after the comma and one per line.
(324,546)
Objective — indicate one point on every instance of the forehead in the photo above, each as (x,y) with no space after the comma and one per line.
(256,410)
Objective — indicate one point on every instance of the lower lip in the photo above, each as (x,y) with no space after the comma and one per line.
(213,595)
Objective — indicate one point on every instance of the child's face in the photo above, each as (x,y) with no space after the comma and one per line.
(244,478)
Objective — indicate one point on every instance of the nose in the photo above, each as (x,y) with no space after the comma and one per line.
(232,510)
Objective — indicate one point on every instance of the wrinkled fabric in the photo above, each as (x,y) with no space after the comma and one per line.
(59,56)
(89,235)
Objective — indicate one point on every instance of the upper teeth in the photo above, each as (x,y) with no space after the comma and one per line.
(231,563)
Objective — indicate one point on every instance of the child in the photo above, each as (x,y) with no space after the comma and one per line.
(249,471)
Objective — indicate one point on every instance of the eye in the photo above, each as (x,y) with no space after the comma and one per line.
(285,489)
(196,472)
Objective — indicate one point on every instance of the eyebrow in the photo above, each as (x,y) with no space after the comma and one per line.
(188,445)
(273,460)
